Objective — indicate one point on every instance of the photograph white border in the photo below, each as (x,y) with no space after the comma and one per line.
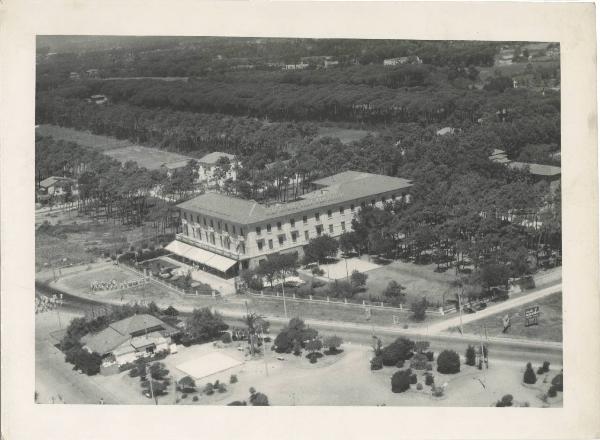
(571,24)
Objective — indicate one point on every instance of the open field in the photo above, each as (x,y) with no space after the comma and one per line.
(549,327)
(83,280)
(514,69)
(345,135)
(296,382)
(332,312)
(79,240)
(419,281)
(149,158)
(121,150)
(83,138)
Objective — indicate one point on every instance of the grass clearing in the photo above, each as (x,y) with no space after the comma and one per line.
(345,135)
(331,312)
(83,138)
(150,158)
(549,326)
(419,281)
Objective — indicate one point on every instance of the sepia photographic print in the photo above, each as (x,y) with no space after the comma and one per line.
(367,219)
(261,221)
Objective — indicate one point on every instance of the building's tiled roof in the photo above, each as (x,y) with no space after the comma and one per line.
(340,188)
(537,169)
(120,332)
(212,158)
(53,180)
(346,176)
(104,341)
(445,130)
(137,323)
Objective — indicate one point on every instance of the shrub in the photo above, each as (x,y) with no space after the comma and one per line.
(226,338)
(448,362)
(529,376)
(540,370)
(237,403)
(317,271)
(552,391)
(313,359)
(258,399)
(376,363)
(400,349)
(187,384)
(221,388)
(419,386)
(418,308)
(184,396)
(419,362)
(400,363)
(470,356)
(429,379)
(401,381)
(233,378)
(333,344)
(437,391)
(557,381)
(546,366)
(209,389)
(413,379)
(195,398)
(358,279)
(429,367)
(507,400)
(429,355)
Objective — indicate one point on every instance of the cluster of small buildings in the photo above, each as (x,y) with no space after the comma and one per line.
(224,234)
(56,188)
(402,60)
(538,171)
(90,73)
(207,168)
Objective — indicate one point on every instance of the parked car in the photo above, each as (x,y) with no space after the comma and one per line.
(294,282)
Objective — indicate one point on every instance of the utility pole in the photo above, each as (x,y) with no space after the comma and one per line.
(460,310)
(283,290)
(347,277)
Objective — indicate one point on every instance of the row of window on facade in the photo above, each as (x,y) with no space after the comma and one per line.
(317,215)
(224,241)
(211,223)
(295,235)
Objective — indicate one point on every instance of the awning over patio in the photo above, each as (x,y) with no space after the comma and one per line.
(201,256)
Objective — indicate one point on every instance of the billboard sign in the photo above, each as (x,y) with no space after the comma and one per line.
(531,315)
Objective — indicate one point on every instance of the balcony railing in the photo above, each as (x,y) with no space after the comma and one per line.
(208,246)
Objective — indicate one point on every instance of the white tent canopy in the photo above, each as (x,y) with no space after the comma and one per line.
(201,256)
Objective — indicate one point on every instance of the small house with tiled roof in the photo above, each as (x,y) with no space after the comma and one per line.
(126,340)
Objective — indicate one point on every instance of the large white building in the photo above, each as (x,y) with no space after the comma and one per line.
(223,234)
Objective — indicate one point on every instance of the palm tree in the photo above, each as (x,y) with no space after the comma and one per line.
(256,324)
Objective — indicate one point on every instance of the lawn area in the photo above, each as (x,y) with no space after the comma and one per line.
(81,281)
(83,138)
(150,158)
(294,381)
(345,135)
(78,240)
(331,312)
(419,281)
(548,329)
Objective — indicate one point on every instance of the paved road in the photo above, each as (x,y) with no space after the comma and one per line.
(500,348)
